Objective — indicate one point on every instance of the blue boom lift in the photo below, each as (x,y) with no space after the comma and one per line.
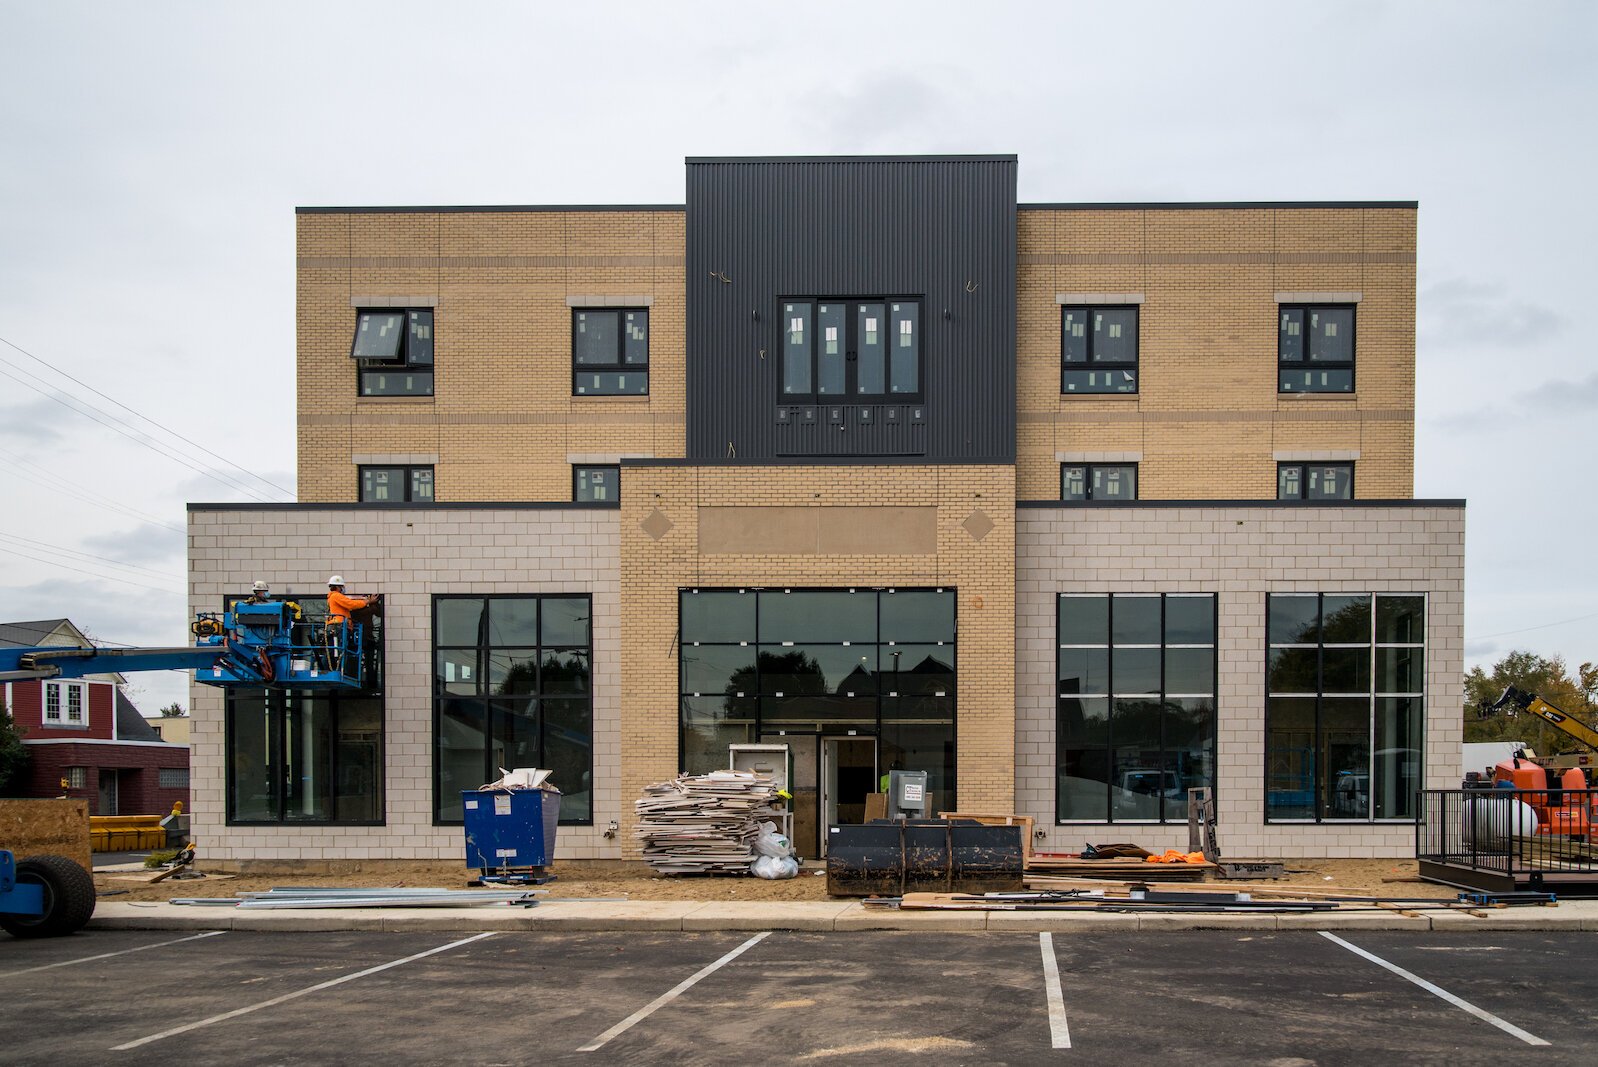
(266,644)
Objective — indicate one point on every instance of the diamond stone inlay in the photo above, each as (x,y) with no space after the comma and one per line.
(977,524)
(658,526)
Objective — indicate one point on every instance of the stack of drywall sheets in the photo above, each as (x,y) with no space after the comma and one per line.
(704,823)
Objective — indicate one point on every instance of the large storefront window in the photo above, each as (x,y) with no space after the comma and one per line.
(308,756)
(304,757)
(512,688)
(1136,685)
(1345,718)
(790,666)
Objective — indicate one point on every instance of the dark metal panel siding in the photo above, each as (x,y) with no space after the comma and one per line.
(942,230)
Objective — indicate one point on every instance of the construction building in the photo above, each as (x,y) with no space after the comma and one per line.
(1073,506)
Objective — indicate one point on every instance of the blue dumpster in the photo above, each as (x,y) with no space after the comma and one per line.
(510,829)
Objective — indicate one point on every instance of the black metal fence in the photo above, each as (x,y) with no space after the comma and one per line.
(1528,835)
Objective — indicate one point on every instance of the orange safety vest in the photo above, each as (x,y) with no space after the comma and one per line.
(339,606)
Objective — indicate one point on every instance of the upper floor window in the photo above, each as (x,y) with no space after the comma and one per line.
(1098,481)
(1315,349)
(596,484)
(393,348)
(1098,349)
(851,349)
(610,352)
(406,484)
(1314,481)
(66,704)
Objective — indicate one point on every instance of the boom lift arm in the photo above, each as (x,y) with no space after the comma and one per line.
(1536,705)
(250,645)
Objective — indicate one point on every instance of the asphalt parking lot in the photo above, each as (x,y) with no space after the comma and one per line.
(1284,999)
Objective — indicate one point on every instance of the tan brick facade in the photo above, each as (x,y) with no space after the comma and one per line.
(981,569)
(502,421)
(503,426)
(1207,420)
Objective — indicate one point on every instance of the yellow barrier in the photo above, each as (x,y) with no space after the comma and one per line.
(126,833)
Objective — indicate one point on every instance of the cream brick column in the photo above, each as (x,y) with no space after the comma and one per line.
(973,551)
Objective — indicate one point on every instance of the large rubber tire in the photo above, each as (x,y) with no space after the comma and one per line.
(68,898)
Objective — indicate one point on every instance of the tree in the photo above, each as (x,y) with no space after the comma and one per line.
(1548,678)
(13,753)
(172,711)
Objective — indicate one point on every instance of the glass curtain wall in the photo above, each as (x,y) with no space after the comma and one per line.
(769,663)
(1136,685)
(307,756)
(1346,706)
(511,688)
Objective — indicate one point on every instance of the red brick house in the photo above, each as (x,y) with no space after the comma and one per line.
(83,732)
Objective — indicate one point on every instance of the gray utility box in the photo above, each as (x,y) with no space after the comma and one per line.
(907,794)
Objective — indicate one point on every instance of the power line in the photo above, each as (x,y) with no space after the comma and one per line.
(1529,629)
(48,479)
(132,433)
(146,418)
(43,546)
(91,574)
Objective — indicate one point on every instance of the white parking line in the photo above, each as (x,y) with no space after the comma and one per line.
(108,955)
(1463,1005)
(672,994)
(236,1012)
(1059,1029)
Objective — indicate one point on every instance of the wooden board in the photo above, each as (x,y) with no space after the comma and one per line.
(39,827)
(1134,870)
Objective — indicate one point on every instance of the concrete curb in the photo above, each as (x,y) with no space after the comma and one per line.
(698,916)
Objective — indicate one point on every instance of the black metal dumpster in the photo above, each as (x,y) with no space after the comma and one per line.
(894,857)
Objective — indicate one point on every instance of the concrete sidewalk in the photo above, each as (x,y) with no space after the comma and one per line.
(841,915)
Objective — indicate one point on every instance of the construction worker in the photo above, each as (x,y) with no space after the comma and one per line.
(259,594)
(340,608)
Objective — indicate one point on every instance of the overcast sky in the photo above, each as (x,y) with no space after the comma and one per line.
(153,155)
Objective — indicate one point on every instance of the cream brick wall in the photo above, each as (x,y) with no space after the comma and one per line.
(407,555)
(502,419)
(1207,417)
(1240,554)
(982,570)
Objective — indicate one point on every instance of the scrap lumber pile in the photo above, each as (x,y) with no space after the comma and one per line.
(704,823)
(1118,868)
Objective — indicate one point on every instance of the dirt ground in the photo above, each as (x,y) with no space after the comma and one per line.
(637,882)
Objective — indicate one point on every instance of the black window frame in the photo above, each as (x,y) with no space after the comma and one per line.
(405,360)
(1303,362)
(1088,470)
(1320,804)
(1090,363)
(1178,812)
(577,474)
(409,472)
(1303,479)
(486,700)
(851,348)
(620,366)
(278,705)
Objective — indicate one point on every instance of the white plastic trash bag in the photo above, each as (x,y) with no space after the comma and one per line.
(771,843)
(775,867)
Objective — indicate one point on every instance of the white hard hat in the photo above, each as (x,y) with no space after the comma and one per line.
(337,579)
(258,587)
